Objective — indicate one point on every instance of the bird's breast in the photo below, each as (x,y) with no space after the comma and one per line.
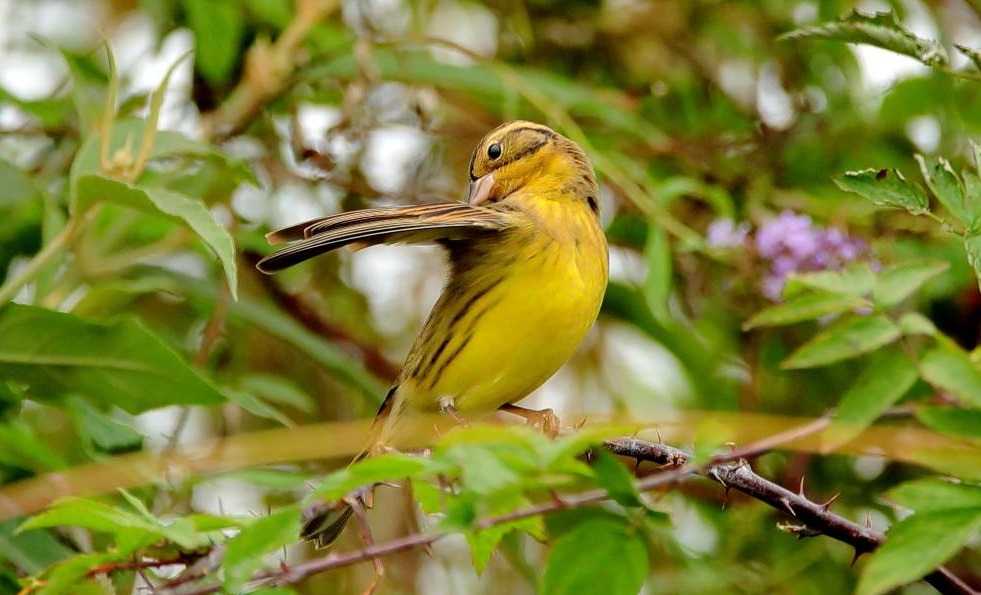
(513,312)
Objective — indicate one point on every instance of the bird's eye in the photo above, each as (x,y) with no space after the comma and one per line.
(494,151)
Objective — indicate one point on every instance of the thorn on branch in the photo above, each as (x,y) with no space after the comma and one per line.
(785,505)
(859,552)
(826,505)
(557,499)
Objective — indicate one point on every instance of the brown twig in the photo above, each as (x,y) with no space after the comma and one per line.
(304,313)
(816,517)
(731,470)
(300,572)
(213,331)
(134,564)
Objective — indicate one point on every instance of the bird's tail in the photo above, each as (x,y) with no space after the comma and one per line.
(324,521)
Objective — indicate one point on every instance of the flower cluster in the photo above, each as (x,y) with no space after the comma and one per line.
(789,243)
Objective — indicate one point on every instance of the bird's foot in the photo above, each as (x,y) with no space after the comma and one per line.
(545,419)
(448,408)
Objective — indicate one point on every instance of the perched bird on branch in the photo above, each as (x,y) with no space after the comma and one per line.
(528,269)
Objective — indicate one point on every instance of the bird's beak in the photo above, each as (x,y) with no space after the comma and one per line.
(480,190)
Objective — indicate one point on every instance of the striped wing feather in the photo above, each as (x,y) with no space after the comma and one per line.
(413,224)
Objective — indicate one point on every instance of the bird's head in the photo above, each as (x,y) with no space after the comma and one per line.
(525,156)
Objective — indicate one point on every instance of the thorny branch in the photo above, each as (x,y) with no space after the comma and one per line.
(816,518)
(731,471)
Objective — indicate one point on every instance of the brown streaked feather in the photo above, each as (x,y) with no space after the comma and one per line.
(413,224)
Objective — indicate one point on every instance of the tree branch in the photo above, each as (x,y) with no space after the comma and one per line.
(816,517)
(300,572)
(732,471)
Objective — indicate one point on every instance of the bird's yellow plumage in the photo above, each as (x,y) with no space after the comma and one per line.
(528,271)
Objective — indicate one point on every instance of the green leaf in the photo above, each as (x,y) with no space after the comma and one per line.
(126,136)
(483,543)
(69,576)
(131,530)
(597,552)
(972,246)
(20,446)
(976,153)
(924,495)
(10,401)
(272,479)
(880,30)
(914,323)
(279,390)
(946,186)
(916,545)
(615,479)
(119,363)
(885,188)
(208,522)
(854,281)
(953,421)
(103,432)
(91,514)
(847,339)
(258,407)
(172,205)
(484,469)
(245,551)
(390,466)
(950,368)
(657,284)
(17,186)
(219,27)
(962,461)
(805,307)
(882,383)
(901,280)
(88,91)
(516,436)
(30,551)
(51,112)
(278,13)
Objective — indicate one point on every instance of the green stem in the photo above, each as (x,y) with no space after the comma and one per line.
(42,258)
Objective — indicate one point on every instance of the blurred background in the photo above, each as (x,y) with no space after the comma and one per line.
(715,144)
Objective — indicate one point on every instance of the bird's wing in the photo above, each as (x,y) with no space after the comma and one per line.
(413,224)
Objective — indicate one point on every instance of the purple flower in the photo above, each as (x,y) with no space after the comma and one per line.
(776,235)
(792,243)
(784,265)
(724,233)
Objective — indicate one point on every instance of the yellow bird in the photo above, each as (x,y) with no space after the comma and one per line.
(528,269)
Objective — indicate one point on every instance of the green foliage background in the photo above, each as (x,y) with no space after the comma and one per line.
(150,374)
